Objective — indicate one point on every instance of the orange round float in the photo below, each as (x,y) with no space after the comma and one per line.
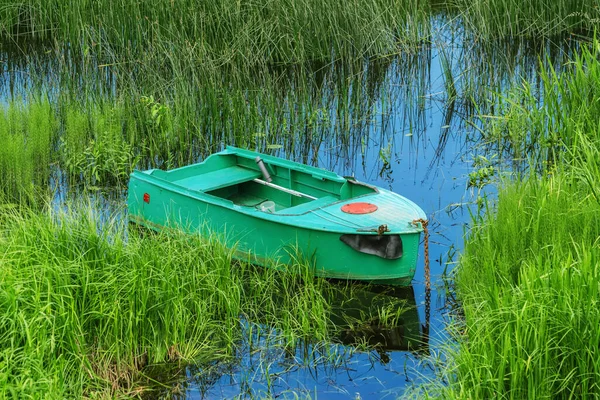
(359,208)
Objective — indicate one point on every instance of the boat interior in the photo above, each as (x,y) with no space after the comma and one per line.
(276,186)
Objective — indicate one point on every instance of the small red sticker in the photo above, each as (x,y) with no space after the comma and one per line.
(359,208)
(146,198)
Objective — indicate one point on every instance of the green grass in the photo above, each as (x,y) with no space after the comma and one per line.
(528,284)
(97,140)
(528,278)
(87,306)
(220,32)
(27,133)
(511,19)
(91,146)
(544,123)
(163,84)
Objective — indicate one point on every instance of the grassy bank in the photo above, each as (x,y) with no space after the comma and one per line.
(528,283)
(88,308)
(85,311)
(528,278)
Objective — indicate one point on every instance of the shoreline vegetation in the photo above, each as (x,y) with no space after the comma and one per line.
(89,306)
(528,279)
(96,88)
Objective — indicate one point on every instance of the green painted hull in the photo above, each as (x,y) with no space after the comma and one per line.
(219,194)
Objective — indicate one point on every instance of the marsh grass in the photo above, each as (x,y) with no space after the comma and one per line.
(97,145)
(220,32)
(97,141)
(178,80)
(528,286)
(529,325)
(544,122)
(88,305)
(27,134)
(173,86)
(511,19)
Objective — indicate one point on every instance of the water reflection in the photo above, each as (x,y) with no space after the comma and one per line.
(367,323)
(379,317)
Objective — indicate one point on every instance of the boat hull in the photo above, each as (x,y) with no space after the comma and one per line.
(272,211)
(261,241)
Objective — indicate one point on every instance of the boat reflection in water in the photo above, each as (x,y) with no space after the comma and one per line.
(382,318)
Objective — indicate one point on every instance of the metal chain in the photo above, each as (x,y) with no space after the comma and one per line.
(424,223)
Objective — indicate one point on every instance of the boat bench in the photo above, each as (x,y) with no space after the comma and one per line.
(218,179)
(309,205)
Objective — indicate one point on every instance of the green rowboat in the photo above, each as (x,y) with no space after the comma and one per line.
(271,208)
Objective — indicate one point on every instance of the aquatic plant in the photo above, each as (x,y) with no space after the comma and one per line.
(541,124)
(99,140)
(88,305)
(27,136)
(509,19)
(96,145)
(220,32)
(527,281)
(529,324)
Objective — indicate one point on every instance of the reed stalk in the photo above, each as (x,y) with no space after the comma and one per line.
(527,281)
(89,305)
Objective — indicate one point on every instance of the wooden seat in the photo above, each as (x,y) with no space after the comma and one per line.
(218,179)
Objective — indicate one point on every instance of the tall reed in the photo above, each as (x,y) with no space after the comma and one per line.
(88,305)
(100,139)
(27,136)
(511,19)
(543,122)
(220,32)
(528,278)
(528,286)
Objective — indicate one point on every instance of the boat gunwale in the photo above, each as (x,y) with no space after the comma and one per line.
(287,219)
(282,162)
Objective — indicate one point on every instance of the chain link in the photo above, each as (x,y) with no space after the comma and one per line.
(424,224)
